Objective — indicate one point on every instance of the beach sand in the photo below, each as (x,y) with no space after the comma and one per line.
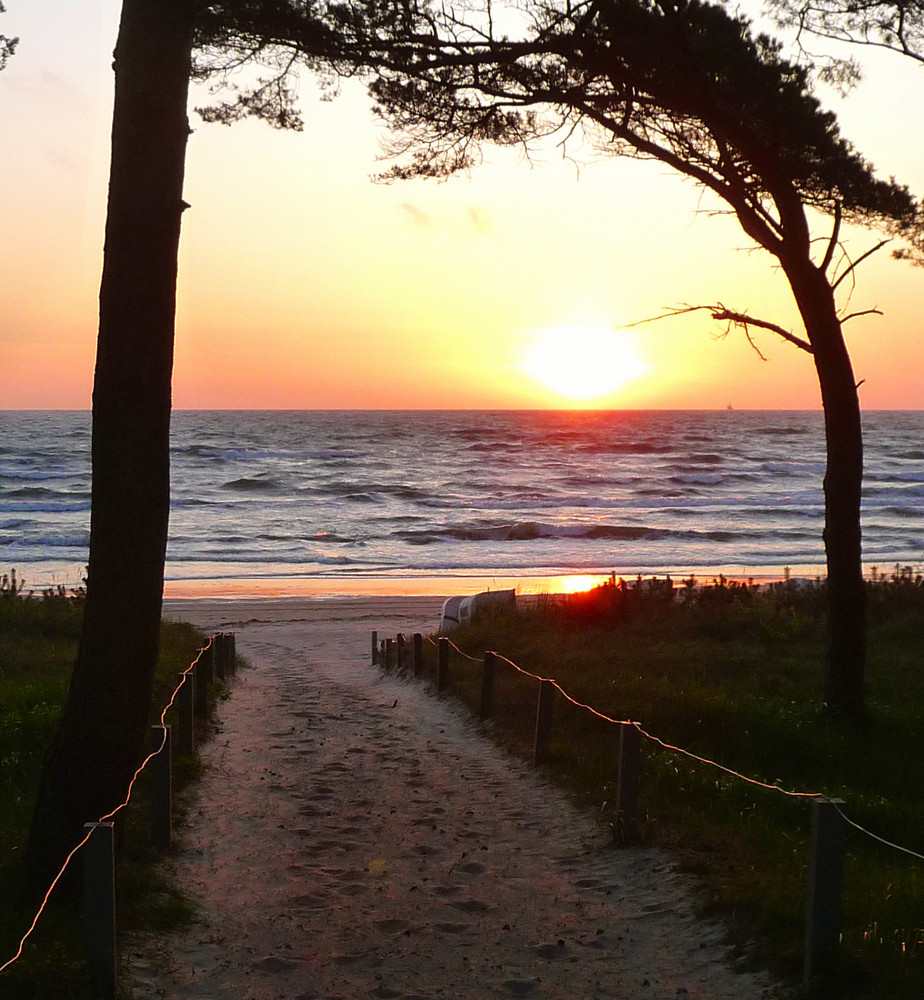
(355,837)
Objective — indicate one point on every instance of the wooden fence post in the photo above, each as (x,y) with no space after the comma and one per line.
(442,664)
(232,653)
(226,646)
(628,768)
(161,789)
(418,654)
(543,721)
(99,917)
(487,686)
(823,912)
(400,645)
(375,647)
(220,659)
(185,706)
(207,661)
(201,688)
(201,680)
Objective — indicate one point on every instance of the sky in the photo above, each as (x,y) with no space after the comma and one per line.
(305,285)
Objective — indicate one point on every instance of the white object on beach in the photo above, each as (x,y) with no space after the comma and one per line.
(458,611)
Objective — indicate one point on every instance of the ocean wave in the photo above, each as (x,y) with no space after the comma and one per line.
(909,512)
(785,431)
(594,480)
(794,468)
(626,448)
(653,500)
(362,497)
(698,476)
(259,484)
(262,454)
(43,507)
(303,563)
(891,552)
(476,435)
(657,493)
(37,474)
(706,458)
(914,478)
(330,536)
(75,540)
(192,502)
(351,489)
(31,491)
(527,531)
(494,446)
(329,454)
(697,479)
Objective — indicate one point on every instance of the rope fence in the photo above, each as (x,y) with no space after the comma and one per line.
(828,821)
(190,696)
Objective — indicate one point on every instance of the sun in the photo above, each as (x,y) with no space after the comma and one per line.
(582,362)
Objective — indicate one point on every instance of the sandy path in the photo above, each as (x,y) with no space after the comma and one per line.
(354,837)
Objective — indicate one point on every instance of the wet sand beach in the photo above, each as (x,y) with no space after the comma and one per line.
(355,837)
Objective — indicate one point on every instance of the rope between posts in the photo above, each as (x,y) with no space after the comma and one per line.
(728,770)
(184,677)
(686,753)
(875,836)
(657,739)
(44,903)
(474,659)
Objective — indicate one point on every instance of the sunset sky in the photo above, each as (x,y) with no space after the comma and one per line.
(304,285)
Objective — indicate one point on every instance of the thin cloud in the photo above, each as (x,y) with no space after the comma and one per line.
(417,216)
(480,220)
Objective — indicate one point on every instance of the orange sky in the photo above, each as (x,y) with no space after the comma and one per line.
(304,285)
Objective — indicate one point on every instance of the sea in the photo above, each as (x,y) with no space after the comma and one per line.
(349,502)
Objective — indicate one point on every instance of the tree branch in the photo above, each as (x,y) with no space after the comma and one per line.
(835,235)
(861,312)
(855,264)
(743,321)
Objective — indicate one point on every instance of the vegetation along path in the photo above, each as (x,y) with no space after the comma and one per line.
(355,837)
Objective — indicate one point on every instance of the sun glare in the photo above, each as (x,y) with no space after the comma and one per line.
(578,583)
(583,362)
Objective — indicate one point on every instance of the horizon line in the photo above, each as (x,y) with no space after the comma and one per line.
(474,409)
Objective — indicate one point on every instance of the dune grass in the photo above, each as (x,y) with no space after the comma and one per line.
(735,674)
(38,643)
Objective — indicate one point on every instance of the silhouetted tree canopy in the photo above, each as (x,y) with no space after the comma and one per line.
(897,25)
(685,83)
(7,45)
(252,51)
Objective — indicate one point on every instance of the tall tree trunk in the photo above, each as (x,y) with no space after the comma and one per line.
(100,736)
(846,654)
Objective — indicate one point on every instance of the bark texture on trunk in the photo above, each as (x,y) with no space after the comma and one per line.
(843,484)
(101,733)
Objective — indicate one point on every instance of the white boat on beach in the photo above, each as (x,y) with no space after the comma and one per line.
(458,611)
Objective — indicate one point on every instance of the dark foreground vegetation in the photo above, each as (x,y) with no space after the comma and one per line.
(38,643)
(733,673)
